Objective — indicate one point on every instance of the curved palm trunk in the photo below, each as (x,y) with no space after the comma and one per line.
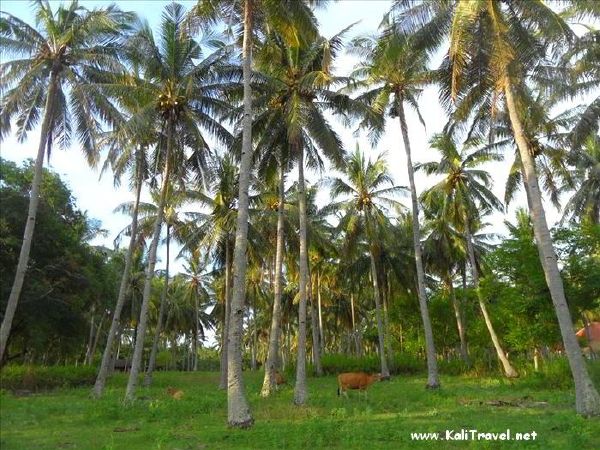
(316,346)
(34,198)
(587,399)
(136,361)
(509,370)
(271,364)
(385,372)
(238,410)
(432,370)
(464,352)
(105,365)
(226,314)
(161,314)
(301,389)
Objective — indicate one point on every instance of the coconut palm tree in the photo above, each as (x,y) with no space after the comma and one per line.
(47,80)
(139,170)
(196,288)
(175,229)
(269,382)
(465,195)
(394,71)
(443,252)
(371,189)
(126,152)
(297,89)
(585,202)
(579,72)
(180,89)
(482,60)
(296,22)
(214,233)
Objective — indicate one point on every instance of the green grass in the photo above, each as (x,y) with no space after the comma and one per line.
(69,419)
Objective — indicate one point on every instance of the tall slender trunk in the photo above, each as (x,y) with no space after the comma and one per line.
(34,198)
(271,364)
(115,355)
(386,318)
(587,399)
(197,330)
(354,331)
(464,353)
(301,388)
(316,346)
(136,361)
(161,313)
(432,369)
(226,315)
(115,326)
(237,405)
(321,333)
(97,337)
(385,372)
(252,330)
(509,370)
(87,359)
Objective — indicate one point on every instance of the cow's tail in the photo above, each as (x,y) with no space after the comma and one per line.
(338,391)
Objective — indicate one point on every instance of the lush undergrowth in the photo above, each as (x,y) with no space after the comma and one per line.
(70,419)
(43,378)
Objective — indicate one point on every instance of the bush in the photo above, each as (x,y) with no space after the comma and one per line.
(400,364)
(41,378)
(556,374)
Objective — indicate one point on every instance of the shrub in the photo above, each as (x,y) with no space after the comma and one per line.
(40,378)
(556,374)
(401,364)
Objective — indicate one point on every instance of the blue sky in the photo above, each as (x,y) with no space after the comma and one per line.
(100,197)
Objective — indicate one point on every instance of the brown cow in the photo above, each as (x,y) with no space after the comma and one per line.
(279,380)
(356,380)
(591,333)
(177,394)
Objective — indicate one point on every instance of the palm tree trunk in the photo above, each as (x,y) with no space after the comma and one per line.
(136,362)
(301,389)
(385,372)
(115,355)
(316,346)
(226,315)
(587,399)
(87,359)
(237,405)
(432,370)
(97,337)
(354,331)
(271,364)
(321,333)
(464,352)
(252,329)
(105,365)
(509,370)
(34,198)
(161,313)
(197,330)
(386,318)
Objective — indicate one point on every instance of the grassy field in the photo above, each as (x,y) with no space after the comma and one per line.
(69,419)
